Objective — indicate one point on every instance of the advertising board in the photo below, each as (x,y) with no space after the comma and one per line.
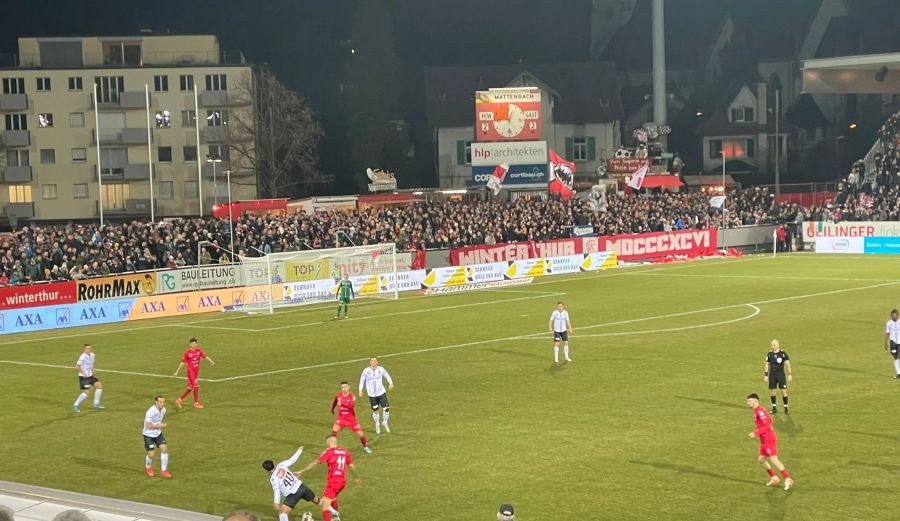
(516,175)
(193,279)
(814,229)
(299,271)
(881,245)
(35,295)
(511,153)
(117,286)
(662,244)
(839,245)
(512,251)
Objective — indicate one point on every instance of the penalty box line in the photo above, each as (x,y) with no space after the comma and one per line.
(754,305)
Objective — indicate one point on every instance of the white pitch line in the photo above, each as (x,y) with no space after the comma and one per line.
(529,336)
(415,311)
(99,370)
(756,311)
(784,277)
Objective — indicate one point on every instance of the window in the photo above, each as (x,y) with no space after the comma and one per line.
(113,161)
(188,118)
(16,122)
(48,191)
(468,152)
(216,82)
(161,83)
(166,189)
(190,153)
(75,83)
(734,148)
(76,119)
(114,195)
(109,88)
(20,193)
(13,85)
(163,119)
(715,148)
(579,149)
(191,190)
(79,155)
(216,118)
(164,154)
(43,84)
(121,53)
(742,115)
(220,152)
(48,156)
(45,120)
(17,157)
(186,82)
(80,190)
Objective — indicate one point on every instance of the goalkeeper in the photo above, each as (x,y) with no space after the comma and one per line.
(345,293)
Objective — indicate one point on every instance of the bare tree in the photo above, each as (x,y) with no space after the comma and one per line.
(284,149)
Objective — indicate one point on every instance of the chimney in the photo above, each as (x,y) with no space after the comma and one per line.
(762,105)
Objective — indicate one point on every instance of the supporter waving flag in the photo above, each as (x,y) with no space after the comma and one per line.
(637,178)
(495,182)
(717,201)
(562,175)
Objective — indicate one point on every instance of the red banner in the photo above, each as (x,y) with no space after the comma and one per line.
(624,165)
(628,247)
(34,295)
(661,244)
(522,250)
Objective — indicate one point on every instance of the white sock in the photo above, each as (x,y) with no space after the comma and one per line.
(897,366)
(97,394)
(81,397)
(148,461)
(375,417)
(566,350)
(282,517)
(386,415)
(334,512)
(164,459)
(556,353)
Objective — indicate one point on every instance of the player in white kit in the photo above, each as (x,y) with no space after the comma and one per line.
(560,326)
(892,340)
(153,437)
(86,379)
(371,379)
(286,483)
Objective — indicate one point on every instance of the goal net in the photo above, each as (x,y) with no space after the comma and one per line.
(298,278)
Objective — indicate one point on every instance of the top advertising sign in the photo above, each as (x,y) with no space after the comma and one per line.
(508,114)
(516,153)
(33,295)
(814,229)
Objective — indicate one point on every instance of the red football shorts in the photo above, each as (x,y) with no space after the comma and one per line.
(348,423)
(769,448)
(192,377)
(333,488)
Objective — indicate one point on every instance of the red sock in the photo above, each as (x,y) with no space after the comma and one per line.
(334,433)
(364,442)
(196,395)
(771,472)
(784,474)
(185,393)
(326,515)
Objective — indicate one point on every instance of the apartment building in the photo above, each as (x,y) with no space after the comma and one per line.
(197,127)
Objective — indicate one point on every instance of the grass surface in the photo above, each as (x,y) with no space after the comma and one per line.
(648,422)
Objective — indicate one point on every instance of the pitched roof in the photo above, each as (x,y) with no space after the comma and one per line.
(588,92)
(715,120)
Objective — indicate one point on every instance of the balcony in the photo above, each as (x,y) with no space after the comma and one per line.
(221,98)
(15,138)
(20,210)
(214,134)
(122,100)
(17,174)
(121,136)
(10,102)
(137,172)
(137,206)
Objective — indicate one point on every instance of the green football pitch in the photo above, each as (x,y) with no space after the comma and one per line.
(647,422)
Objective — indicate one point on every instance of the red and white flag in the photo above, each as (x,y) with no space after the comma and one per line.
(495,182)
(562,176)
(637,178)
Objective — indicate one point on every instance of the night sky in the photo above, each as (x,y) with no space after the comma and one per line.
(307,42)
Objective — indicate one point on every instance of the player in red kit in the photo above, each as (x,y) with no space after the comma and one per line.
(338,460)
(768,444)
(192,359)
(345,401)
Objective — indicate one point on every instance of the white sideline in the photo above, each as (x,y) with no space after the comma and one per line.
(72,367)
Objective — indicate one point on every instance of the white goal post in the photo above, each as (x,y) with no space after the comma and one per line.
(297,278)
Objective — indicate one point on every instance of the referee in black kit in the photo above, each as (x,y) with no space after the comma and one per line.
(777,361)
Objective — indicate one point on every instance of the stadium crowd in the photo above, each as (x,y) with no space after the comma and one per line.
(67,252)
